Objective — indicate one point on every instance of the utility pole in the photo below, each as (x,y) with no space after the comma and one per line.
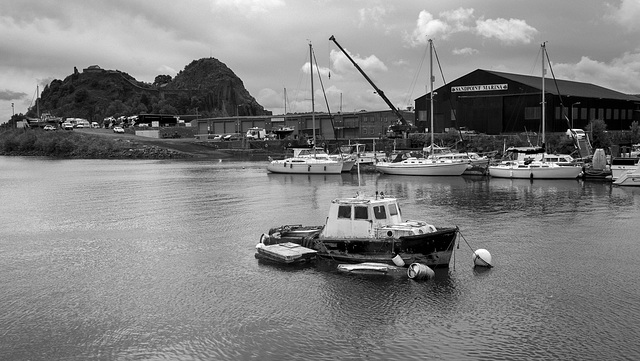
(13,112)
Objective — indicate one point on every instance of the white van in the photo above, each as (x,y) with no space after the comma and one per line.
(578,133)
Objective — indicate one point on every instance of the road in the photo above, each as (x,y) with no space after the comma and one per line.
(196,148)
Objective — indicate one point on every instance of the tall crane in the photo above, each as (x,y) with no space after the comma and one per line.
(402,127)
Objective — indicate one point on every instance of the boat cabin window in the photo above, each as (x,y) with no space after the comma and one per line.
(393,209)
(344,212)
(379,212)
(360,212)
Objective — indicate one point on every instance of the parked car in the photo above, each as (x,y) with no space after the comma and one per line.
(579,133)
(230,137)
(67,126)
(49,127)
(95,125)
(118,129)
(79,125)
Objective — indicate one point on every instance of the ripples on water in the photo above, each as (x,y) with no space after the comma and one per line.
(155,260)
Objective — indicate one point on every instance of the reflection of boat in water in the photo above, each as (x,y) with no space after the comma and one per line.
(370,229)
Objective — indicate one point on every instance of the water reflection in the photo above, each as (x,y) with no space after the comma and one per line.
(155,259)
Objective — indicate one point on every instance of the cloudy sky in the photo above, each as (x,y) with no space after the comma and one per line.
(266,44)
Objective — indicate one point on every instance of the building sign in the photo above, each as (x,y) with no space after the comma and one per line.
(478,88)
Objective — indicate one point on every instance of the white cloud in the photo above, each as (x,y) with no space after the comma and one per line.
(627,14)
(621,74)
(342,65)
(247,7)
(373,15)
(465,51)
(458,19)
(510,31)
(428,27)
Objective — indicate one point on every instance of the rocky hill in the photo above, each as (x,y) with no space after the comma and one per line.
(206,87)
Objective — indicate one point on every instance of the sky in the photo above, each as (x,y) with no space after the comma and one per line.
(266,44)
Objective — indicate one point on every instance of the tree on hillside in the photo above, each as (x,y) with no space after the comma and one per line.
(162,79)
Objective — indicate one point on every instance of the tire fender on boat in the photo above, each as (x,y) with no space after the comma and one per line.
(264,239)
(432,228)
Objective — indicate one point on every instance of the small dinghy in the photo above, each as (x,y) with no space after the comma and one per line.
(371,268)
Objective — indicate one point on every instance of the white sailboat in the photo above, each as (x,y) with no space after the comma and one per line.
(535,167)
(309,163)
(429,166)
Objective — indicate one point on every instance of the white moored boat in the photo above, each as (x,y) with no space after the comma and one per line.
(310,161)
(423,166)
(535,164)
(630,178)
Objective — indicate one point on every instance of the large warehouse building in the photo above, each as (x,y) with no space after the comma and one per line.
(493,102)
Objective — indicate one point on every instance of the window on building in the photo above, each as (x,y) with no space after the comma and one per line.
(629,114)
(558,112)
(360,212)
(608,111)
(453,114)
(583,113)
(532,113)
(616,114)
(422,115)
(601,113)
(592,113)
(623,114)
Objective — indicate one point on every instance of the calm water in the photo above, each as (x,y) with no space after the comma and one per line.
(154,260)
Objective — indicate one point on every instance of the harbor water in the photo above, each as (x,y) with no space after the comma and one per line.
(154,260)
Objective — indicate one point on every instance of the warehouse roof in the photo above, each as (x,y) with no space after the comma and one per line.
(566,87)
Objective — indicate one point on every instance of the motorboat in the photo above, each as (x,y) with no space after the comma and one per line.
(422,166)
(622,165)
(307,161)
(362,156)
(630,178)
(370,229)
(478,163)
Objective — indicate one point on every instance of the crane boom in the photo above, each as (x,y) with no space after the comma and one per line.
(404,126)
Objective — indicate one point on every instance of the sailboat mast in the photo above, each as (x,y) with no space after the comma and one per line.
(431,91)
(543,98)
(313,109)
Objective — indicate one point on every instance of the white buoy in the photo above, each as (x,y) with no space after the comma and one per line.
(482,258)
(419,271)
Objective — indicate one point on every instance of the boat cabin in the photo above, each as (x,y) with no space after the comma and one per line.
(369,217)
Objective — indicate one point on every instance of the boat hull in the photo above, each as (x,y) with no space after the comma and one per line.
(426,169)
(533,172)
(283,166)
(433,249)
(628,179)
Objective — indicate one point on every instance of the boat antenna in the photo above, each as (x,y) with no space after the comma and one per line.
(313,109)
